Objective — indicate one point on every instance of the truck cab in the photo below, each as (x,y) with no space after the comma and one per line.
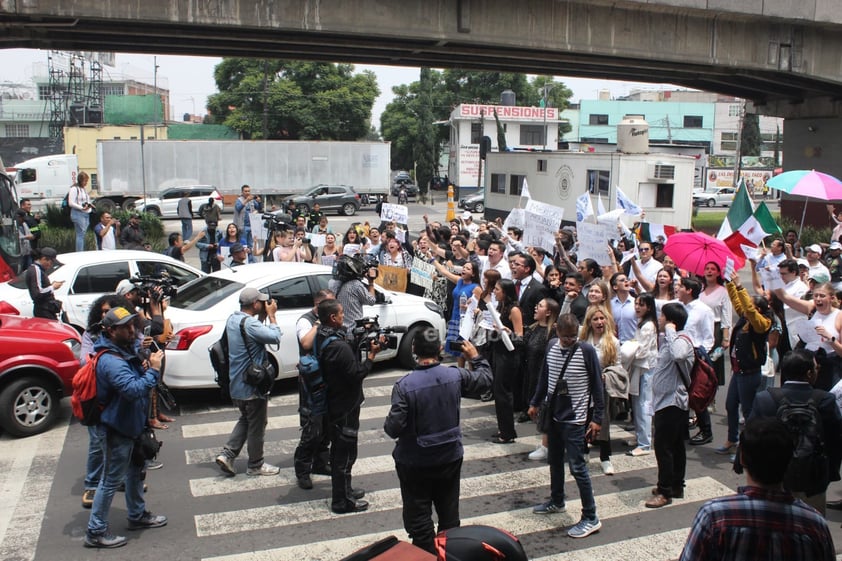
(45,179)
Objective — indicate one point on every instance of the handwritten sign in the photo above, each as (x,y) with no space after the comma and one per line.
(350,249)
(394,213)
(318,240)
(392,278)
(422,273)
(258,228)
(593,241)
(515,219)
(541,222)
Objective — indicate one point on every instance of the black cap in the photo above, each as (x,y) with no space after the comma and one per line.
(50,253)
(235,247)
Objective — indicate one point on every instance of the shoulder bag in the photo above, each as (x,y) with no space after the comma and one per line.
(545,414)
(259,375)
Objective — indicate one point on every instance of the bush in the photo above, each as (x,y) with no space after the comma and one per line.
(57,230)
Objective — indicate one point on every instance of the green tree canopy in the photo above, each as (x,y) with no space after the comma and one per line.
(751,143)
(292,100)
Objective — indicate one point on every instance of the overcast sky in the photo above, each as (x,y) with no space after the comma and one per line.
(190,79)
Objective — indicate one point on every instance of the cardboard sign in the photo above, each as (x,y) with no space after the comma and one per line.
(392,278)
(593,241)
(541,223)
(394,213)
(422,273)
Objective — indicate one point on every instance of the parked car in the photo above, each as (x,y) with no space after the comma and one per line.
(722,196)
(331,198)
(165,205)
(199,311)
(474,203)
(404,183)
(38,359)
(87,275)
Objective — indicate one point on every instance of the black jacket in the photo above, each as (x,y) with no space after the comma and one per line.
(530,295)
(343,373)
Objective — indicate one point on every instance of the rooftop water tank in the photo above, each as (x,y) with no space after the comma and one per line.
(633,135)
(507,98)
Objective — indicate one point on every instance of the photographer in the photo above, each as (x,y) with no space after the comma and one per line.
(208,246)
(80,209)
(350,289)
(343,375)
(245,205)
(430,474)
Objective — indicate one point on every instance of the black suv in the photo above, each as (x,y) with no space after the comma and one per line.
(331,198)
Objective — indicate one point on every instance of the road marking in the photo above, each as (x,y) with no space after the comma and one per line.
(25,488)
(521,522)
(309,511)
(654,547)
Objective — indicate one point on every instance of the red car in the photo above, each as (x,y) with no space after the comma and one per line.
(38,359)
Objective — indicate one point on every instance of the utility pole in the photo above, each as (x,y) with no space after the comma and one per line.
(738,161)
(265,100)
(481,134)
(155,85)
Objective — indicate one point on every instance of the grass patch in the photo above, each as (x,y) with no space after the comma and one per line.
(709,222)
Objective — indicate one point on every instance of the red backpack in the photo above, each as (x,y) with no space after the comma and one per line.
(701,391)
(83,400)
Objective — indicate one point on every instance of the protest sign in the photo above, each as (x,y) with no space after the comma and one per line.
(541,223)
(258,228)
(515,219)
(593,241)
(318,240)
(394,213)
(422,273)
(391,278)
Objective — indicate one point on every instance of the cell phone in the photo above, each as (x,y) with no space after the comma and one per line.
(147,331)
(457,346)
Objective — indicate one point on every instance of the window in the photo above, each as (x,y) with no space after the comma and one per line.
(291,293)
(498,183)
(598,179)
(532,135)
(336,190)
(205,293)
(98,279)
(735,110)
(17,130)
(173,194)
(598,119)
(155,268)
(516,184)
(114,89)
(664,196)
(542,165)
(476,133)
(321,282)
(692,122)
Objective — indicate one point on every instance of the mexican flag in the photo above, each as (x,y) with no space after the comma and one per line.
(651,232)
(745,226)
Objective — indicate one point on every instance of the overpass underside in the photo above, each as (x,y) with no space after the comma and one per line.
(777,63)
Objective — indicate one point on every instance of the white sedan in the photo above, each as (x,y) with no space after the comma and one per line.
(200,310)
(87,275)
(722,196)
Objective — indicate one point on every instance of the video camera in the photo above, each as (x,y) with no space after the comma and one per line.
(147,285)
(347,268)
(275,222)
(368,329)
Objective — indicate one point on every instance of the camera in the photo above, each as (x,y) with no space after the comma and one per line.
(367,330)
(457,346)
(147,285)
(276,222)
(347,268)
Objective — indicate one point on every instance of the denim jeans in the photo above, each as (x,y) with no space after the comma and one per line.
(250,426)
(741,391)
(93,470)
(640,403)
(117,467)
(81,221)
(569,439)
(186,229)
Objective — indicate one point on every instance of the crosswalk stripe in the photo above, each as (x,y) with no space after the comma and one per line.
(654,547)
(521,522)
(291,421)
(221,485)
(309,511)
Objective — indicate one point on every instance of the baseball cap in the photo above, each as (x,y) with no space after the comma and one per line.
(117,316)
(834,245)
(467,215)
(250,295)
(820,277)
(235,247)
(815,247)
(50,253)
(802,262)
(124,287)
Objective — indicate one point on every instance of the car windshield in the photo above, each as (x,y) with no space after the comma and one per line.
(205,292)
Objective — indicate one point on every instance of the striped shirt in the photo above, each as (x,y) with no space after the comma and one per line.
(576,377)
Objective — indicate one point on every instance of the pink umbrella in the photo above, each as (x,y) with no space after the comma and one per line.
(808,183)
(693,250)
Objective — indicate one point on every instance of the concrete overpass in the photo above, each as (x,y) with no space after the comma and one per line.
(781,54)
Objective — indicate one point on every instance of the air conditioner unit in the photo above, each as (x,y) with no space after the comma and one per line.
(662,171)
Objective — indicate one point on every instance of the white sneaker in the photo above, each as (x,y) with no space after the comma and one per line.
(265,469)
(607,467)
(539,453)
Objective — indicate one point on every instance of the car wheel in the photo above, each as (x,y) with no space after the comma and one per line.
(349,209)
(129,204)
(105,205)
(405,355)
(302,208)
(711,203)
(479,208)
(154,211)
(27,407)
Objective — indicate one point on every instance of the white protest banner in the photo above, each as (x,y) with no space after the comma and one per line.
(524,192)
(541,223)
(421,273)
(318,240)
(258,229)
(466,326)
(225,251)
(400,235)
(515,219)
(351,249)
(593,241)
(394,213)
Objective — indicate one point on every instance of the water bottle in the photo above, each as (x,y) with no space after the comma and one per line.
(463,303)
(716,354)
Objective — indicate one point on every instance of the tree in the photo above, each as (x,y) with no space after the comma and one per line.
(750,141)
(293,100)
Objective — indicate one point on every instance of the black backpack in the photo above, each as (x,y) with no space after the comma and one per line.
(808,470)
(311,375)
(219,360)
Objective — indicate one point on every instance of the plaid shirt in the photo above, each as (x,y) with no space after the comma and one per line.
(758,524)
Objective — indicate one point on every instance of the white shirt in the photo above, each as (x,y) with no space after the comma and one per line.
(501,267)
(797,289)
(649,270)
(699,327)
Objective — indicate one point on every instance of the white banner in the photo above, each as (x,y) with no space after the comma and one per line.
(394,213)
(541,223)
(318,240)
(593,241)
(258,229)
(515,219)
(422,273)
